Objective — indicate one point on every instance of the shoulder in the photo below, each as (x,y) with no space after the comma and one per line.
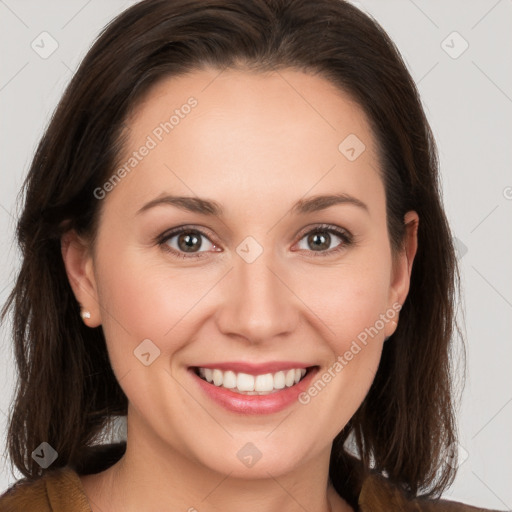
(379,494)
(27,495)
(58,490)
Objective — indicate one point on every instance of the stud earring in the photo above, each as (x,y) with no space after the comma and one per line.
(85,314)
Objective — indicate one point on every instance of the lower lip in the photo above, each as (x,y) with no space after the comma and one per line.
(255,404)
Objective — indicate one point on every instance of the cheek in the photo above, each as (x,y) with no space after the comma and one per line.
(351,311)
(351,303)
(141,299)
(348,298)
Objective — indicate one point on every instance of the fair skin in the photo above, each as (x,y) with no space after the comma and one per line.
(255,145)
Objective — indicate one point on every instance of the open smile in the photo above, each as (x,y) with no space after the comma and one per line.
(253,391)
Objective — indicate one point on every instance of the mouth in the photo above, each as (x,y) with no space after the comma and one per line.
(250,389)
(249,384)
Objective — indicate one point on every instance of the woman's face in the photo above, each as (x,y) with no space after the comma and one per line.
(268,278)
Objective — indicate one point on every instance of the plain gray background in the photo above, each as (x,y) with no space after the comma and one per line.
(467,96)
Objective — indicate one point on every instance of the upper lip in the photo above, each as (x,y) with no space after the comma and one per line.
(255,368)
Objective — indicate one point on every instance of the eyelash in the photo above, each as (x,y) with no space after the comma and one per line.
(346,237)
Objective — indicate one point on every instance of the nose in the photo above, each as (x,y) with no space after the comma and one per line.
(259,304)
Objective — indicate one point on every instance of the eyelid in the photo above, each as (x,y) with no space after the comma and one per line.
(338,230)
(183,228)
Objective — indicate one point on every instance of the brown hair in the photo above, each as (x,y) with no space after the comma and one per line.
(67,391)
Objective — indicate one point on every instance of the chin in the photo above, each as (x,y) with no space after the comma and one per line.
(256,459)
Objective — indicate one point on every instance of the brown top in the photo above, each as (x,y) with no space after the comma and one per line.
(60,490)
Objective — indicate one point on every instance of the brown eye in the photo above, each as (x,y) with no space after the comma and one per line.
(324,241)
(186,241)
(319,241)
(189,242)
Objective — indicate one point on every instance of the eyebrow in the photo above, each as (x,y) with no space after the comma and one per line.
(213,208)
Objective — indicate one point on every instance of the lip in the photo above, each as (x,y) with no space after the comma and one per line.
(254,404)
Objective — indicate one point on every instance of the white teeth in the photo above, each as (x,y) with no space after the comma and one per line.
(279,381)
(230,380)
(264,382)
(245,382)
(217,377)
(290,378)
(208,374)
(253,385)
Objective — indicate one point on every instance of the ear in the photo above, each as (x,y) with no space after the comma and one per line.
(78,262)
(402,267)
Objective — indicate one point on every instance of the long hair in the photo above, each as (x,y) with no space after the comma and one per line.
(67,392)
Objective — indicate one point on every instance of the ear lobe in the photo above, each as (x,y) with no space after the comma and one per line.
(78,263)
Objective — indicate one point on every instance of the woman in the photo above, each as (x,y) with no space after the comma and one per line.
(230,233)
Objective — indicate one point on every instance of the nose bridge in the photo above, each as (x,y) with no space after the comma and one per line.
(258,306)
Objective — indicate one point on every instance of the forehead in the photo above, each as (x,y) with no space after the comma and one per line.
(288,97)
(247,132)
